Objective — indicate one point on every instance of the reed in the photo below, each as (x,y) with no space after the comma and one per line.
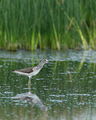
(55,24)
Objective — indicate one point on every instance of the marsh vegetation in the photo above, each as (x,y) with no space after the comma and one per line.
(55,24)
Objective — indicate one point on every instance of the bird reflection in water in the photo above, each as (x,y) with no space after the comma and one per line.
(32,99)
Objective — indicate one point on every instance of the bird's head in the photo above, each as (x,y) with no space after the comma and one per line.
(44,61)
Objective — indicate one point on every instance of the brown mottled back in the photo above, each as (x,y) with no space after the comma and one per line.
(26,70)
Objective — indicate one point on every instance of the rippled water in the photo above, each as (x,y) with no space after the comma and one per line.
(65,89)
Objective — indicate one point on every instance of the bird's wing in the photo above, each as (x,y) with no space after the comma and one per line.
(26,70)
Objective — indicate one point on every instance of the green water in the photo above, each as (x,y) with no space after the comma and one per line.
(66,85)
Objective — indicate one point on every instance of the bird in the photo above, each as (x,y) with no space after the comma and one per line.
(31,71)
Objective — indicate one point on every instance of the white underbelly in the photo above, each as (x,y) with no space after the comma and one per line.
(34,73)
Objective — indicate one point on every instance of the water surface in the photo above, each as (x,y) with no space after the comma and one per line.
(66,86)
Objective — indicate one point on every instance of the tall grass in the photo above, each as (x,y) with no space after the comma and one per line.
(55,24)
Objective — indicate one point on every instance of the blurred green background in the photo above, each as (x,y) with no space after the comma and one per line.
(54,24)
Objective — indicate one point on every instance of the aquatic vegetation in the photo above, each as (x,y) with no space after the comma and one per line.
(55,24)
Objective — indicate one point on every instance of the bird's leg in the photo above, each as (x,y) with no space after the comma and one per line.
(29,84)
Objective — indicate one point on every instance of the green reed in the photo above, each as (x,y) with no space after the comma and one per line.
(55,24)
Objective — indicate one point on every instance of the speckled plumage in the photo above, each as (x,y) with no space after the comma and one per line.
(32,71)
